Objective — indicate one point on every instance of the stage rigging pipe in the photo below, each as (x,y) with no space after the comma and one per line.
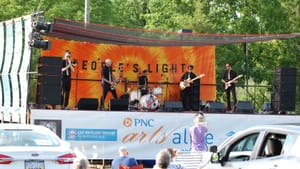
(87,11)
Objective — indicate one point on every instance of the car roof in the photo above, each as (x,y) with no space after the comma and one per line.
(284,127)
(21,126)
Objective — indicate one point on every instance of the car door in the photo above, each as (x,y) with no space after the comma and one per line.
(237,152)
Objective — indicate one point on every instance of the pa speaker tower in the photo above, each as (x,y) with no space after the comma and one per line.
(284,90)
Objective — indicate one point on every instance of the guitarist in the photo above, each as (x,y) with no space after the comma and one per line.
(189,96)
(108,83)
(228,75)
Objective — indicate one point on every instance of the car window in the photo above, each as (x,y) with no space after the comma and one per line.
(242,149)
(292,145)
(26,138)
(272,145)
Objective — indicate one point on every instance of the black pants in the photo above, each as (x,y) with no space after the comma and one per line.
(106,89)
(65,93)
(186,99)
(230,90)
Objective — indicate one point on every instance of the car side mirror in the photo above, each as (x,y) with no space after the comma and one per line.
(215,155)
(213,149)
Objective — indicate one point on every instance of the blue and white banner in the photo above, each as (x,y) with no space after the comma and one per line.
(99,134)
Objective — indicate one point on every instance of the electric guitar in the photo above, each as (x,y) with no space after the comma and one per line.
(228,84)
(186,83)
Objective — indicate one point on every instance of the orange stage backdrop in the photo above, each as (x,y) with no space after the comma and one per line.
(165,65)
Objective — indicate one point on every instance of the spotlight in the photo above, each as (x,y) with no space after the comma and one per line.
(42,27)
(43,44)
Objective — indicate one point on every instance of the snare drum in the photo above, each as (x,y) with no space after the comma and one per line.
(157,91)
(149,102)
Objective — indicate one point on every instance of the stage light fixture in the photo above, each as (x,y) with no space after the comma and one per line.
(42,44)
(42,27)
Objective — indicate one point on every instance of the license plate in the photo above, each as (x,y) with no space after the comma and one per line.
(34,164)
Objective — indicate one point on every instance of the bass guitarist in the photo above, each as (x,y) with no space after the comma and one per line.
(229,80)
(189,96)
(108,83)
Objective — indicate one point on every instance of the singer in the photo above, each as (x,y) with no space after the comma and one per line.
(67,68)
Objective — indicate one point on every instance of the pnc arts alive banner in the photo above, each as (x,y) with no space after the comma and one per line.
(165,65)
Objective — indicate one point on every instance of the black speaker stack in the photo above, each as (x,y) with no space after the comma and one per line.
(173,106)
(215,107)
(88,104)
(118,105)
(244,107)
(49,80)
(283,97)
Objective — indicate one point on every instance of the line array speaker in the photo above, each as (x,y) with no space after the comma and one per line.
(283,97)
(49,80)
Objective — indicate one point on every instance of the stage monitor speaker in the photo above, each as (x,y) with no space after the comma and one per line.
(283,97)
(215,107)
(244,107)
(88,104)
(118,105)
(173,106)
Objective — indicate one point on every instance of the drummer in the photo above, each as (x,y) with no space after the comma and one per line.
(143,83)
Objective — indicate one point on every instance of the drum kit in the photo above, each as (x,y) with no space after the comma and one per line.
(148,101)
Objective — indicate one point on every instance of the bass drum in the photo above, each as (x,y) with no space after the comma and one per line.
(149,102)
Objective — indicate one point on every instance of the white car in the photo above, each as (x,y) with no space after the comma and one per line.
(260,147)
(33,147)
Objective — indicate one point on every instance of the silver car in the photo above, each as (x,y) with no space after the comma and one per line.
(260,147)
(35,147)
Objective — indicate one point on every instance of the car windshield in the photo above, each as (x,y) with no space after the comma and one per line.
(26,138)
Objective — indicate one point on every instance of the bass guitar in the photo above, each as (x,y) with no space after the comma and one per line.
(228,84)
(186,83)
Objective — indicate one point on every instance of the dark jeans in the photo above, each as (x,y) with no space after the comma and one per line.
(65,93)
(106,89)
(230,90)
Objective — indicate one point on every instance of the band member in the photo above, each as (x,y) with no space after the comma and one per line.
(229,84)
(189,95)
(66,70)
(108,83)
(143,83)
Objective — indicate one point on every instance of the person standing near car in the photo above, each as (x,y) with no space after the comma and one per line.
(198,132)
